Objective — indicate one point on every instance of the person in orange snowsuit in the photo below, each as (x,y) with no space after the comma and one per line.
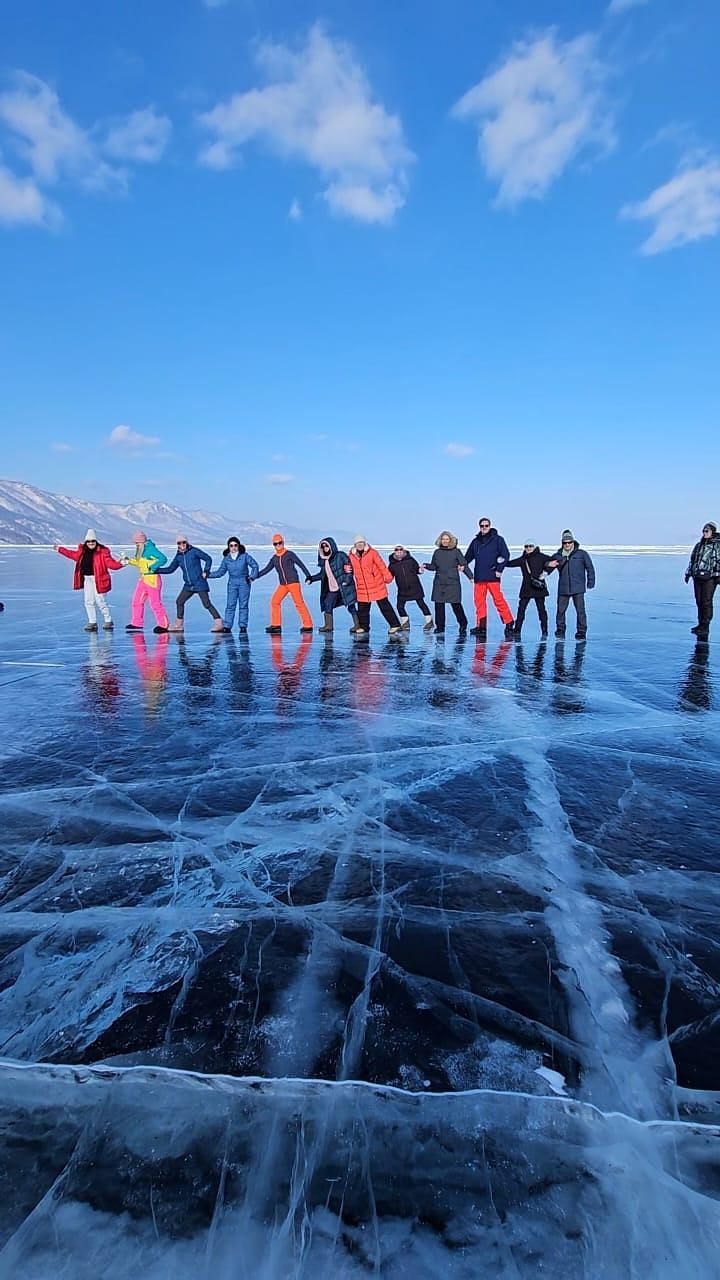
(286,564)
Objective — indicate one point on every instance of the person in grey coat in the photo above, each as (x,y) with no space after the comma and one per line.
(576,575)
(447,564)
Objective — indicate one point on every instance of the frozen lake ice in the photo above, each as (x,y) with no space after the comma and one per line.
(326,958)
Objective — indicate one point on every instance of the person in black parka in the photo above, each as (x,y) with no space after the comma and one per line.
(532,562)
(406,572)
(447,564)
(704,569)
(576,575)
(337,584)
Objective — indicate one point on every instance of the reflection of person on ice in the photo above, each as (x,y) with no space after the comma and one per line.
(196,566)
(93,562)
(241,570)
(147,559)
(286,564)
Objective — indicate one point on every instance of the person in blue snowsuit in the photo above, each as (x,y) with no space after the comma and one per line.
(196,566)
(241,570)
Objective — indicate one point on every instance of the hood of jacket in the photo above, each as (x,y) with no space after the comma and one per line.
(446,534)
(483,538)
(333,550)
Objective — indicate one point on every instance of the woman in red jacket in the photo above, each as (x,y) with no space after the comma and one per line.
(93,562)
(371,578)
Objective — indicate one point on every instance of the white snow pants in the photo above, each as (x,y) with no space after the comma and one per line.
(92,598)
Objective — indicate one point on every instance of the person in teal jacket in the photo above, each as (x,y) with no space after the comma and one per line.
(241,570)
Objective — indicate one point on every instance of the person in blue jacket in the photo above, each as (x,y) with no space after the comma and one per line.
(488,553)
(576,575)
(196,566)
(337,585)
(241,570)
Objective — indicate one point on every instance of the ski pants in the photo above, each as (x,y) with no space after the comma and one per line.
(704,589)
(294,590)
(94,599)
(523,603)
(238,595)
(204,598)
(481,591)
(153,595)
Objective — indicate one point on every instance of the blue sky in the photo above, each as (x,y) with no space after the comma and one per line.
(380,266)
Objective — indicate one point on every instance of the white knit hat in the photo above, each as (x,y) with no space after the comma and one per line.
(90,536)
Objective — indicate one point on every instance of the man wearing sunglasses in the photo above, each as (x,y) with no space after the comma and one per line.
(576,575)
(196,566)
(489,554)
(286,564)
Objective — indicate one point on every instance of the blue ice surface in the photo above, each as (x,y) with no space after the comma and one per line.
(326,957)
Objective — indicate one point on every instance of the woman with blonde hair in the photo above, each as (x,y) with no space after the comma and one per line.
(447,564)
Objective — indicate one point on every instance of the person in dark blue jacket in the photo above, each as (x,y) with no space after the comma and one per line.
(241,570)
(576,575)
(488,553)
(337,585)
(196,566)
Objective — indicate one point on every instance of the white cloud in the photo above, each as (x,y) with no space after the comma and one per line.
(295,211)
(279,477)
(142,137)
(685,209)
(61,447)
(458,450)
(317,106)
(22,201)
(542,107)
(54,149)
(125,438)
(621,6)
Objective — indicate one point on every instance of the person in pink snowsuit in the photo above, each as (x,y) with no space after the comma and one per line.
(147,559)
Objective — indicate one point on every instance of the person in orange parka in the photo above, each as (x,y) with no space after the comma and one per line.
(371,581)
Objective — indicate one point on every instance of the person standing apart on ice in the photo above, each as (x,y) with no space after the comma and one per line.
(371,580)
(147,559)
(93,562)
(704,569)
(447,564)
(576,575)
(241,570)
(286,564)
(337,585)
(406,572)
(488,553)
(532,562)
(196,566)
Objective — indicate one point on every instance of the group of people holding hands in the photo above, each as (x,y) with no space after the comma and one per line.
(360,577)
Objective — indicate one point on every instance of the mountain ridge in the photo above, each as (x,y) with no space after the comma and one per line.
(31,516)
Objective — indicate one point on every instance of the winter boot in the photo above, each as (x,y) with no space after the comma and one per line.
(177,625)
(304,629)
(480,630)
(108,626)
(328,623)
(160,631)
(273,631)
(405,622)
(242,631)
(91,626)
(131,627)
(509,630)
(218,625)
(429,624)
(393,631)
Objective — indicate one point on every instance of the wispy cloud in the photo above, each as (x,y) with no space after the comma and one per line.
(683,210)
(318,107)
(141,137)
(50,149)
(295,211)
(60,446)
(542,108)
(455,450)
(622,6)
(130,441)
(279,477)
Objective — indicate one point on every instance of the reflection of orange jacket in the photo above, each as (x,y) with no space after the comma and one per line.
(371,575)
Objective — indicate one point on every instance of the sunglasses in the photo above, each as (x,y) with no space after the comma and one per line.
(278,544)
(567,542)
(484,524)
(529,546)
(181,544)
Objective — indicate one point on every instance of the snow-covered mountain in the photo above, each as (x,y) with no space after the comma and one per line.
(32,516)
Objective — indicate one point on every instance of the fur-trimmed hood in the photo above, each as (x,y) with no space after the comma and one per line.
(446,534)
